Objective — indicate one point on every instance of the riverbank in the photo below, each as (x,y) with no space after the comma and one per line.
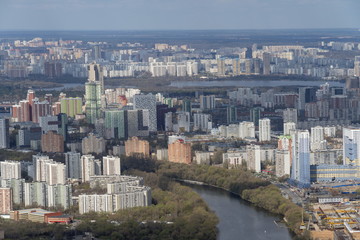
(243,183)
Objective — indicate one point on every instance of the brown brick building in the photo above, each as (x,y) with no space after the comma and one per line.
(5,200)
(179,152)
(52,142)
(135,146)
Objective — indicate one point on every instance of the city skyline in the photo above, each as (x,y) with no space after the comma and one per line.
(177,15)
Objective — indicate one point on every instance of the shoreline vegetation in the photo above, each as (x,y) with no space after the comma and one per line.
(177,212)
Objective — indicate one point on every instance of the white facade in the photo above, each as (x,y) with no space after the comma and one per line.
(264,130)
(111,165)
(10,170)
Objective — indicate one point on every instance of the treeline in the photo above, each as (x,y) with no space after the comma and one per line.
(239,181)
(177,212)
(270,198)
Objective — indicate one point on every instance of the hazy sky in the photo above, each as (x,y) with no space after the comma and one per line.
(177,14)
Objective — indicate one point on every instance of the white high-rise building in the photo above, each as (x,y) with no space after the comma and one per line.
(40,162)
(202,122)
(288,127)
(87,167)
(4,133)
(264,130)
(56,173)
(111,165)
(357,66)
(10,170)
(246,130)
(351,146)
(73,165)
(253,159)
(318,141)
(300,172)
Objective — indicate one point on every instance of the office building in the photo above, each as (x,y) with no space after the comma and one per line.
(148,102)
(135,146)
(52,142)
(10,169)
(300,171)
(264,130)
(4,133)
(111,165)
(73,165)
(179,152)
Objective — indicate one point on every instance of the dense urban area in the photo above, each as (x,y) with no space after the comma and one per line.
(103,138)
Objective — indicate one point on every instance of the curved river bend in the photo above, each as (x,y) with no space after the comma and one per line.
(238,219)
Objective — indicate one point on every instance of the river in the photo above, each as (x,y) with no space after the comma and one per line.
(238,219)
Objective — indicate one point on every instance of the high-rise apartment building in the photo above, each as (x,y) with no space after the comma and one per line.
(89,167)
(351,146)
(231,114)
(253,159)
(300,172)
(52,142)
(264,130)
(357,66)
(246,130)
(4,133)
(317,140)
(94,89)
(179,152)
(290,115)
(288,127)
(73,165)
(136,146)
(111,165)
(207,102)
(282,163)
(71,106)
(148,102)
(93,144)
(266,63)
(56,173)
(202,122)
(5,200)
(10,169)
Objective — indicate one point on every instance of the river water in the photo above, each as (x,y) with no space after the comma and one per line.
(238,219)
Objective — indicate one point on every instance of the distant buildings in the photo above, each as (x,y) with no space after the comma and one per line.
(300,172)
(10,169)
(4,133)
(264,130)
(147,102)
(111,165)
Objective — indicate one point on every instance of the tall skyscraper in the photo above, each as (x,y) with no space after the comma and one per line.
(73,165)
(264,130)
(94,89)
(148,102)
(4,133)
(300,172)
